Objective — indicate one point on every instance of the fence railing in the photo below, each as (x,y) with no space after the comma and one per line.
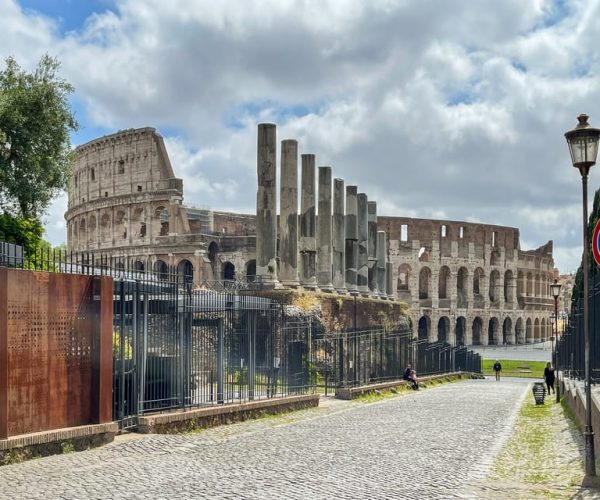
(179,345)
(569,356)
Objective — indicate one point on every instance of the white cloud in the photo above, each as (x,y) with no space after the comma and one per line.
(454,109)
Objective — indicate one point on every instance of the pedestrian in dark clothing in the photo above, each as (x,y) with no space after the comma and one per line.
(406,375)
(497,369)
(549,377)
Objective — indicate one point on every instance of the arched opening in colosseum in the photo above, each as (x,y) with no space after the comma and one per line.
(477,331)
(423,254)
(493,332)
(529,285)
(460,331)
(185,271)
(424,282)
(528,331)
(138,223)
(445,240)
(507,332)
(543,330)
(161,221)
(161,269)
(92,230)
(461,288)
(443,329)
(519,331)
(139,266)
(105,229)
(537,285)
(443,278)
(120,226)
(403,278)
(478,286)
(251,270)
(120,265)
(424,327)
(509,285)
(82,234)
(536,330)
(494,282)
(228,271)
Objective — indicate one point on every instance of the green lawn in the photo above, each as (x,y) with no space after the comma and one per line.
(515,368)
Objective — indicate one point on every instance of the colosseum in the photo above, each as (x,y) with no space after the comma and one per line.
(465,283)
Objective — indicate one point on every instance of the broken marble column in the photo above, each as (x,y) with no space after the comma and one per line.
(351,232)
(362,274)
(266,205)
(389,280)
(324,232)
(372,253)
(339,243)
(308,223)
(381,258)
(288,214)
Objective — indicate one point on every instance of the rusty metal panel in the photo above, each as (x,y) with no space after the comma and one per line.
(3,357)
(52,320)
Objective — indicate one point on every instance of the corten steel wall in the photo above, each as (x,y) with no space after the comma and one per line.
(55,351)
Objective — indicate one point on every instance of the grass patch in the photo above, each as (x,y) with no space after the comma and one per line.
(515,368)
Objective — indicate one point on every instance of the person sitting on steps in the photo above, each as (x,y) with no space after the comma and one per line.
(414,381)
(406,375)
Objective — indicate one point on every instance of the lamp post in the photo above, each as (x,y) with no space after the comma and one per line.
(555,287)
(583,146)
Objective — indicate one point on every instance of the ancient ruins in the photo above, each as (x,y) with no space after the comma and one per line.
(465,283)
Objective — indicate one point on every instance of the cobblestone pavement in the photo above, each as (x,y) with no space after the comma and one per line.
(430,444)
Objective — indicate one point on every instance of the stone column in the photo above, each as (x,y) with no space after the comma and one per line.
(362,275)
(288,215)
(339,281)
(372,249)
(324,231)
(266,203)
(389,280)
(380,263)
(351,232)
(308,223)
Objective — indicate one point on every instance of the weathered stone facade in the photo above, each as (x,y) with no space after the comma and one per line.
(464,282)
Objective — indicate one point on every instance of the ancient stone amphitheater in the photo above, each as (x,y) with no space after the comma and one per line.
(465,283)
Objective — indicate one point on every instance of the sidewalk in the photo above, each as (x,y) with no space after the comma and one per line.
(543,458)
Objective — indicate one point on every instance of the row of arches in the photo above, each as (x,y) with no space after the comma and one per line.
(117,226)
(492,331)
(496,286)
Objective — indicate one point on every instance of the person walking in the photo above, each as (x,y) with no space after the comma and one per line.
(549,377)
(497,369)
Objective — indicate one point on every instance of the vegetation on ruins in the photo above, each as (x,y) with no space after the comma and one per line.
(35,123)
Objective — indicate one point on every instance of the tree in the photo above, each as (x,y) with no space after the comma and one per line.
(35,123)
(593,268)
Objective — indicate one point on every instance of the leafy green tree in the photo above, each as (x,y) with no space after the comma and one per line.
(35,123)
(593,268)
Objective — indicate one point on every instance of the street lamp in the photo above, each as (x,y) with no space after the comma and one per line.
(583,146)
(555,287)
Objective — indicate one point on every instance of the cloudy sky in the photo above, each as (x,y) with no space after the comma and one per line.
(451,109)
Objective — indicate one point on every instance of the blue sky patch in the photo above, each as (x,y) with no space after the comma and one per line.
(70,15)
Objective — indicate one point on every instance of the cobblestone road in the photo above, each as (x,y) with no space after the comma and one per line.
(430,444)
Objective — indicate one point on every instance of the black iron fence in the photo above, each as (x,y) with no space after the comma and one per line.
(177,345)
(370,356)
(569,356)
